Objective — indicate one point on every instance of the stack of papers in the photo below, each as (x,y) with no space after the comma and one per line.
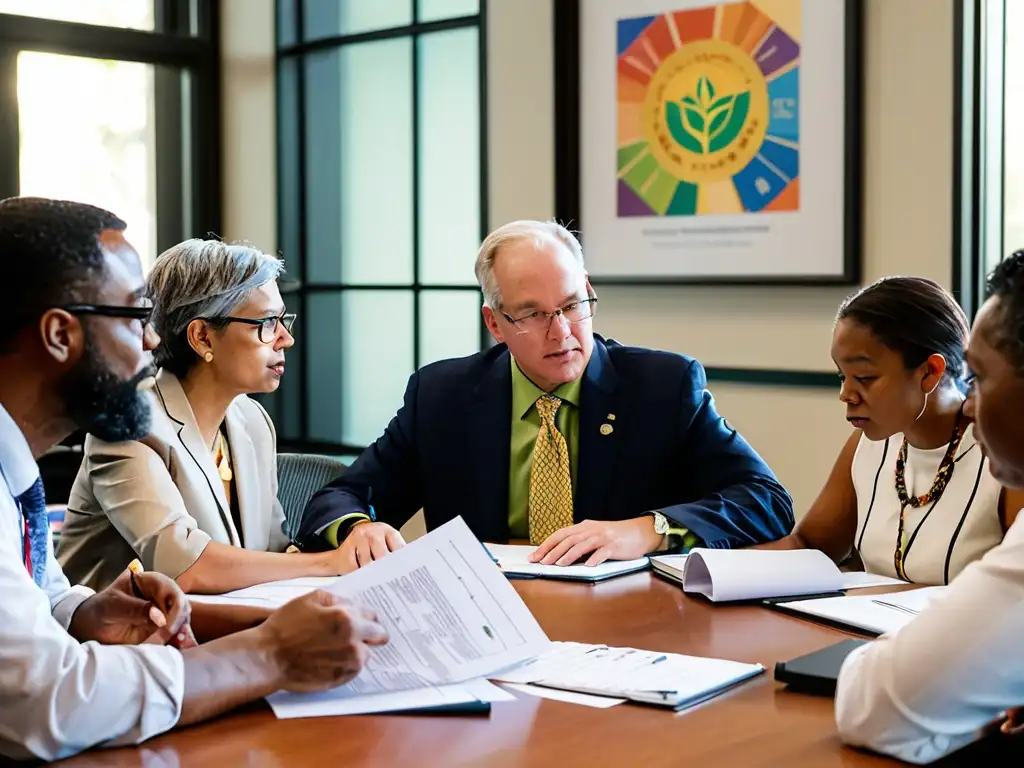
(669,566)
(650,677)
(513,559)
(452,618)
(870,614)
(724,575)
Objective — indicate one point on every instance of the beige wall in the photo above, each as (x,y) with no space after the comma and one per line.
(907,193)
(249,139)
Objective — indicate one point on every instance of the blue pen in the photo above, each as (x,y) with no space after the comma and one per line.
(369,505)
(660,659)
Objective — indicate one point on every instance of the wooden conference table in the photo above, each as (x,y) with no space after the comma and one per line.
(757,724)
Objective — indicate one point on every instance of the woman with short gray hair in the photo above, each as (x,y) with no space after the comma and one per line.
(196,499)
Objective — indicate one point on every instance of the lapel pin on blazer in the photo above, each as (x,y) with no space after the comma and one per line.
(607,429)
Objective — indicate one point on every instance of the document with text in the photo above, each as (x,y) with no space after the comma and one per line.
(451,615)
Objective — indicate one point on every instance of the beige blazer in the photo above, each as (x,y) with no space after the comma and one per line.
(161,499)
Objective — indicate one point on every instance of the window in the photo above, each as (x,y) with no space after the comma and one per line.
(114,103)
(382,204)
(1013,121)
(129,14)
(989,176)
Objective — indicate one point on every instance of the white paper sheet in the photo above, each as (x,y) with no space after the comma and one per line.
(513,559)
(451,615)
(569,697)
(750,574)
(338,702)
(867,612)
(272,594)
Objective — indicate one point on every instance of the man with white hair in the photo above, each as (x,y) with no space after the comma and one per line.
(590,449)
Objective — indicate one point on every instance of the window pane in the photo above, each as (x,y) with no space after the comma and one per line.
(1013,148)
(360,359)
(449,143)
(328,18)
(286,23)
(359,163)
(131,14)
(449,324)
(432,10)
(87,134)
(288,166)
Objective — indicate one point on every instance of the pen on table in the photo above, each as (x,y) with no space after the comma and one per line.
(896,607)
(660,659)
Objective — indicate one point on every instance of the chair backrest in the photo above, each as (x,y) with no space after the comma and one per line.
(299,476)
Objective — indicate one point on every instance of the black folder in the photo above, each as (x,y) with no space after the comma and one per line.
(816,672)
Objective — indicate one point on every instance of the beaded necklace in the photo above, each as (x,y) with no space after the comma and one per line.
(934,493)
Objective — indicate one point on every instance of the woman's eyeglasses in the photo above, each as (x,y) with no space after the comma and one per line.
(267,327)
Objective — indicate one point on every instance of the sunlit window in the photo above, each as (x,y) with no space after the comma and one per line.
(87,134)
(130,14)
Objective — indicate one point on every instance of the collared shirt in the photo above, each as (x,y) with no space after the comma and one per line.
(59,696)
(929,688)
(525,428)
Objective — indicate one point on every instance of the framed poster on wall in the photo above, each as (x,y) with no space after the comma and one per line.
(715,142)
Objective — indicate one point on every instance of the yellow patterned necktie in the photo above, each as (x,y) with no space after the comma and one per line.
(550,478)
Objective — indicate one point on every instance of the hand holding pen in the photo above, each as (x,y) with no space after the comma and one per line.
(139,607)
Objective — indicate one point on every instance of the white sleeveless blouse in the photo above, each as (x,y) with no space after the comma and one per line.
(942,538)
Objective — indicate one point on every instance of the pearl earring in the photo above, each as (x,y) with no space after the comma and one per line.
(208,357)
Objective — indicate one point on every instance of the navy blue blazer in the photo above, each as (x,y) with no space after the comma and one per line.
(447,451)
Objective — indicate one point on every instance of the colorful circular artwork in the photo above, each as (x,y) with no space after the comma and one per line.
(708,111)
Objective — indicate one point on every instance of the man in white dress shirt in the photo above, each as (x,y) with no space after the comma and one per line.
(949,676)
(79,669)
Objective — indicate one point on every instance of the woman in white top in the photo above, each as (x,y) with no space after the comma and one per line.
(911,494)
(950,674)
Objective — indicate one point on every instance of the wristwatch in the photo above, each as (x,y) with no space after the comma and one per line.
(676,536)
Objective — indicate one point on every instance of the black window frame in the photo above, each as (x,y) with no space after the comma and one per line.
(975,192)
(299,288)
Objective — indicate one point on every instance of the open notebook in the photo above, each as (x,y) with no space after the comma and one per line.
(513,559)
(868,614)
(649,677)
(725,575)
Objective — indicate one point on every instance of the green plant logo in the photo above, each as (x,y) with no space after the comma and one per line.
(702,123)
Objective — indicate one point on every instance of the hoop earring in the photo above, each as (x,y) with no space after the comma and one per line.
(925,406)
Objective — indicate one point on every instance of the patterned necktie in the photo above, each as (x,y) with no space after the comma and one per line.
(550,478)
(33,508)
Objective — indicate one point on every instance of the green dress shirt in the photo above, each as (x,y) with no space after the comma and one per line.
(525,428)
